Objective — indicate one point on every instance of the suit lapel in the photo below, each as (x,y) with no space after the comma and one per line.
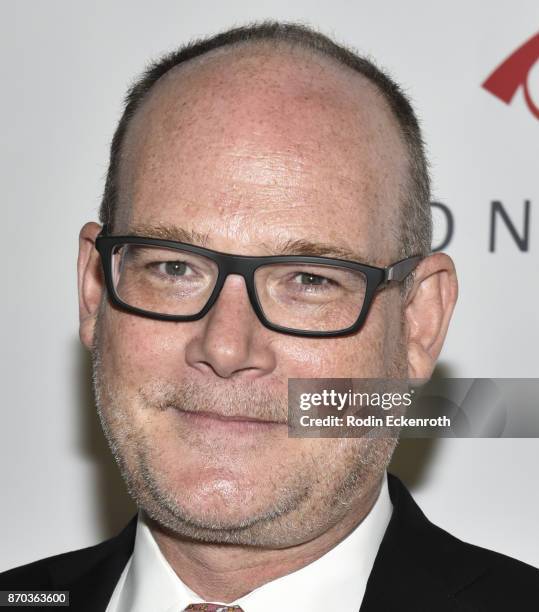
(92,582)
(418,566)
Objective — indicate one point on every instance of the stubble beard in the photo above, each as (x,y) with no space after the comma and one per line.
(300,510)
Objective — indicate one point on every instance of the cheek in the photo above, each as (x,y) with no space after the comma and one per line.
(360,355)
(137,348)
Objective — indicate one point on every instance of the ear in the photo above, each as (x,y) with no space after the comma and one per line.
(428,310)
(90,282)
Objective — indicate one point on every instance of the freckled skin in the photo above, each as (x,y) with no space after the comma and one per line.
(262,148)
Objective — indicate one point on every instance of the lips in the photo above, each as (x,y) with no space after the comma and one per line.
(234,422)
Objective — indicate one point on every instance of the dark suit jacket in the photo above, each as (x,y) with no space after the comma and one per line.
(419,568)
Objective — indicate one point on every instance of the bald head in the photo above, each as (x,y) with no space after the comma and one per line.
(281,86)
(256,127)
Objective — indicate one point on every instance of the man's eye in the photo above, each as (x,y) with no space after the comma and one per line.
(310,280)
(173,268)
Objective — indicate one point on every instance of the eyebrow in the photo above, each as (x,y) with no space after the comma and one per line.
(318,249)
(169,232)
(299,246)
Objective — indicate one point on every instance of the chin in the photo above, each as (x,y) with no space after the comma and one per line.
(208,497)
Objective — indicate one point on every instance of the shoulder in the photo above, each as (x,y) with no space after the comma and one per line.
(479,574)
(68,568)
(472,576)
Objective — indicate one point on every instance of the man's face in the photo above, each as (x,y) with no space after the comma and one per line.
(250,150)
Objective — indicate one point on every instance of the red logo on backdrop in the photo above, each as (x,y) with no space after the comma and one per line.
(513,73)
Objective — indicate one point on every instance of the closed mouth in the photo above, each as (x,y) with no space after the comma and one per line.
(230,419)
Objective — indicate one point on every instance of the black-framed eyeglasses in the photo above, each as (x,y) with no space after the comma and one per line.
(299,295)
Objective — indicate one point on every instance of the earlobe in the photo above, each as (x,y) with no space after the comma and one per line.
(428,311)
(90,282)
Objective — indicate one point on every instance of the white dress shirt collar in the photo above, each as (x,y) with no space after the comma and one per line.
(340,576)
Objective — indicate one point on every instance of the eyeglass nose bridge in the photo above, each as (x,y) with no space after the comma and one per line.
(240,265)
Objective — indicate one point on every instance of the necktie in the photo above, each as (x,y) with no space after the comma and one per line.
(211,607)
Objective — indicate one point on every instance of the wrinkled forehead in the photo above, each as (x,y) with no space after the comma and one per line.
(249,141)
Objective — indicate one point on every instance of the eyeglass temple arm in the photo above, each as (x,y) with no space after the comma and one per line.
(400,270)
(104,230)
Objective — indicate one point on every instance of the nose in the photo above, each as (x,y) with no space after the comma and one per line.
(232,342)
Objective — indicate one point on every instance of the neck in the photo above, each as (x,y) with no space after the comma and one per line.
(225,572)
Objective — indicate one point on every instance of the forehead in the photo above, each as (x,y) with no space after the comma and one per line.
(251,143)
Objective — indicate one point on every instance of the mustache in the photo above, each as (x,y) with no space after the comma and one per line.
(227,400)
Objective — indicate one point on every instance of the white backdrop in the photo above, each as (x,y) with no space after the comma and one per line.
(66,67)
